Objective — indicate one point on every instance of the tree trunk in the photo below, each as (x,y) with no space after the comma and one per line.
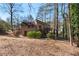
(69,26)
(64,21)
(56,20)
(11,15)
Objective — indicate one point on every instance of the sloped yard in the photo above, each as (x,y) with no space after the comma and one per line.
(35,47)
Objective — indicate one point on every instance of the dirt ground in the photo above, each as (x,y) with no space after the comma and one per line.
(10,46)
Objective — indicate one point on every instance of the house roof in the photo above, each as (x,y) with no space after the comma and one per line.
(33,23)
(38,21)
(27,23)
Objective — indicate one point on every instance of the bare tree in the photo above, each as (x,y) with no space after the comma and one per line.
(44,11)
(64,16)
(69,26)
(12,9)
(11,6)
(56,20)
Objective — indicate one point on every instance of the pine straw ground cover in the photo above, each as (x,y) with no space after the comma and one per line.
(10,46)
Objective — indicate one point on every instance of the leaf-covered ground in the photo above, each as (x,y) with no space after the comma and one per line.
(35,47)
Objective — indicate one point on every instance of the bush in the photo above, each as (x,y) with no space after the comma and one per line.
(50,35)
(4,25)
(34,34)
